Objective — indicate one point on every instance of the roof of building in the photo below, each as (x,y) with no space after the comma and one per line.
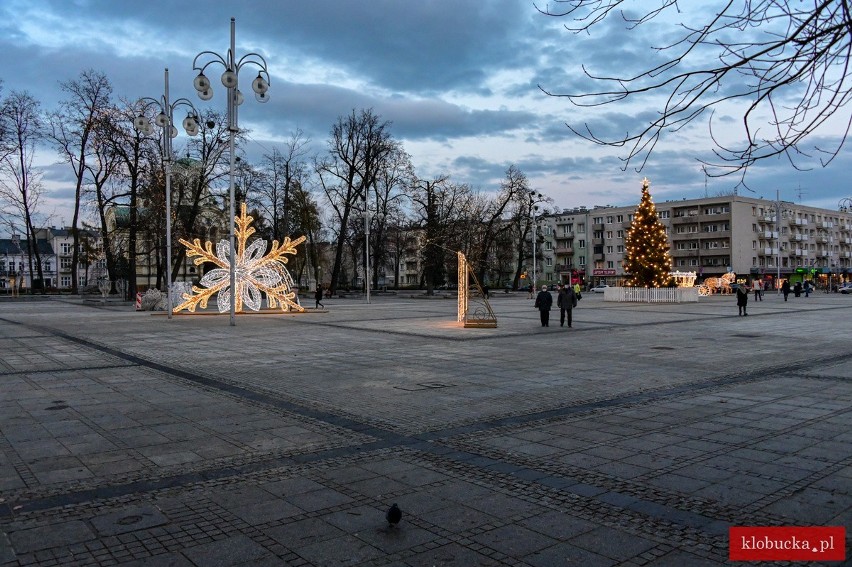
(14,247)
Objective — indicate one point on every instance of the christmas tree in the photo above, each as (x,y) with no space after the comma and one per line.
(646,247)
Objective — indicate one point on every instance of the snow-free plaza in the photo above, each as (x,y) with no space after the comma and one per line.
(638,437)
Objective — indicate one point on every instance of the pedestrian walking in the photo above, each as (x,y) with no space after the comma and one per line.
(797,289)
(543,303)
(566,301)
(758,290)
(785,289)
(742,300)
(807,289)
(577,291)
(530,290)
(318,297)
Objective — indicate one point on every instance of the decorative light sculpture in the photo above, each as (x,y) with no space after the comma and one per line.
(165,120)
(684,279)
(257,272)
(481,315)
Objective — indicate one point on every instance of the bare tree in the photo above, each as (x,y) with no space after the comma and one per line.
(101,169)
(357,148)
(20,186)
(205,163)
(281,170)
(71,129)
(133,152)
(492,215)
(393,180)
(783,59)
(439,207)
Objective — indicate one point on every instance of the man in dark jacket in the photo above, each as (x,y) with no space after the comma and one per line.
(543,302)
(742,299)
(566,301)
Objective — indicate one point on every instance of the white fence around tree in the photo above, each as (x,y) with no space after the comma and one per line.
(651,295)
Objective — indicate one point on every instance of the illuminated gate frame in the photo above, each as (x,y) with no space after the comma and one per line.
(481,316)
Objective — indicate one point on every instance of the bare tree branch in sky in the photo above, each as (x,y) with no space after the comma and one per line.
(786,62)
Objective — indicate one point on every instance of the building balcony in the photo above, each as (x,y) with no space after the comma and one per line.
(597,226)
(687,219)
(563,267)
(686,253)
(825,224)
(597,241)
(598,257)
(821,239)
(564,251)
(768,251)
(799,222)
(769,234)
(770,219)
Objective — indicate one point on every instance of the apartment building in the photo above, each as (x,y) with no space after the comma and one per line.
(753,237)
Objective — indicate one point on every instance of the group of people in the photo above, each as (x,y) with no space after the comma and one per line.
(566,300)
(757,287)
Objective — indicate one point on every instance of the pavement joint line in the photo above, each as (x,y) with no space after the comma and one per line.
(72,369)
(419,442)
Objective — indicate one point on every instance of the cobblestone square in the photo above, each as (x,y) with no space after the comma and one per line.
(636,437)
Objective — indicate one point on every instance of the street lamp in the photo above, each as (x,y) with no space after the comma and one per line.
(231,79)
(533,211)
(165,120)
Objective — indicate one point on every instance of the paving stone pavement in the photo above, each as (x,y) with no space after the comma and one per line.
(637,437)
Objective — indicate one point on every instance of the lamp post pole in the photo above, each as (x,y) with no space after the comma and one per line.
(165,120)
(230,79)
(778,241)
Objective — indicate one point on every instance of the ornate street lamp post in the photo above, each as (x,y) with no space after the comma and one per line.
(165,120)
(230,79)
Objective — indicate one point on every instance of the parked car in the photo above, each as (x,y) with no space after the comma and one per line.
(845,288)
(599,288)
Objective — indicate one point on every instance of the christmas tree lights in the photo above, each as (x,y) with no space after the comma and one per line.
(257,272)
(646,246)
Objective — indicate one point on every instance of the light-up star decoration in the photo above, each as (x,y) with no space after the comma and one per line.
(256,272)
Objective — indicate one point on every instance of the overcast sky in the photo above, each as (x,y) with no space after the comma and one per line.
(458,79)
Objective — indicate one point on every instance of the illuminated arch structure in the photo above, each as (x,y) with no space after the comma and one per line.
(474,311)
(257,272)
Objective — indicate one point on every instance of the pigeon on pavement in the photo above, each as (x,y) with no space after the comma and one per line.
(394,515)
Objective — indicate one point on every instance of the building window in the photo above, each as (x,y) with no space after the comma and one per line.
(619,234)
(65,281)
(609,249)
(581,243)
(663,214)
(609,219)
(65,263)
(65,247)
(610,264)
(620,249)
(47,266)
(620,218)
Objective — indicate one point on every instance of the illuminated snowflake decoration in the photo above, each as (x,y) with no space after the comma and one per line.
(257,272)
